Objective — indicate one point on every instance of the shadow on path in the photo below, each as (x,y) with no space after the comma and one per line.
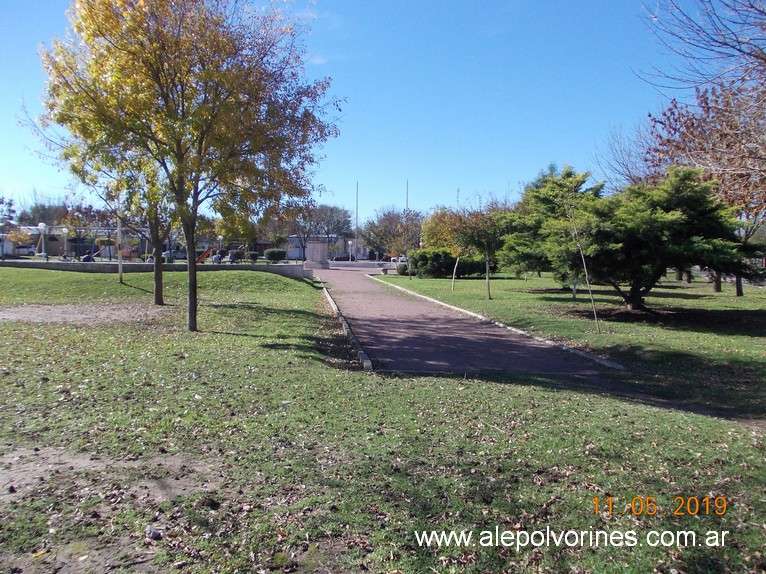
(408,334)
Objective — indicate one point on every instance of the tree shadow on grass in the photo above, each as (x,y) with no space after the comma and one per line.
(738,396)
(259,310)
(137,288)
(677,292)
(609,295)
(733,322)
(583,299)
(240,306)
(329,343)
(304,348)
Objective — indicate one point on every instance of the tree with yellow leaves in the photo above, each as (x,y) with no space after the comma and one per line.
(209,95)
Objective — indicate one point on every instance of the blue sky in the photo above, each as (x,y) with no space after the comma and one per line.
(440,95)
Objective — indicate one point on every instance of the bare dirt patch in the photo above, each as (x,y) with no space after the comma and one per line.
(78,503)
(84,314)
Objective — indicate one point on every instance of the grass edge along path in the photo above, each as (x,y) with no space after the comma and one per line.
(294,460)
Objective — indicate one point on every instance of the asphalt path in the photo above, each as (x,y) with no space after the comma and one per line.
(402,332)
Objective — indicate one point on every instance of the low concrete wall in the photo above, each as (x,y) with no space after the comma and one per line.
(364,264)
(286,270)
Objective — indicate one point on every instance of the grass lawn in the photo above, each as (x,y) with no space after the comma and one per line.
(257,445)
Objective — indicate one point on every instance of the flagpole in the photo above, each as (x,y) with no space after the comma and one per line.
(356,227)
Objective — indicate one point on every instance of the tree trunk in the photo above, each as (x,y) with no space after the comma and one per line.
(679,274)
(574,290)
(717,282)
(188,226)
(689,276)
(486,265)
(454,271)
(738,286)
(159,298)
(154,234)
(634,300)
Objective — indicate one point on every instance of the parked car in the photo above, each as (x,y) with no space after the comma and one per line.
(26,249)
(174,254)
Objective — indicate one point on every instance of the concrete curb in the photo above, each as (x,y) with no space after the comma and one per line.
(578,352)
(364,359)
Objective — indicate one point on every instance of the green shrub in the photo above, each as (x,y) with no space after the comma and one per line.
(432,262)
(474,265)
(402,268)
(439,263)
(274,255)
(253,255)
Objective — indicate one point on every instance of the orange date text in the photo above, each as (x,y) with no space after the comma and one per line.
(648,506)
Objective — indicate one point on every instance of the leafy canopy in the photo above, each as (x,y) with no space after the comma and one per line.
(204,99)
(541,235)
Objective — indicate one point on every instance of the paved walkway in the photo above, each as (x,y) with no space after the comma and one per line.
(401,332)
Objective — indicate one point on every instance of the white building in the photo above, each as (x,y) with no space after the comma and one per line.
(342,246)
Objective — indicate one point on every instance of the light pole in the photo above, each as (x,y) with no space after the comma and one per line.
(65,233)
(220,242)
(42,227)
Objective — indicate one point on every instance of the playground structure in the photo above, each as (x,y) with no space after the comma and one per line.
(103,246)
(102,242)
(205,254)
(106,243)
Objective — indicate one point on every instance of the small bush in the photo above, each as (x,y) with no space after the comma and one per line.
(474,265)
(274,255)
(403,268)
(432,263)
(253,255)
(440,263)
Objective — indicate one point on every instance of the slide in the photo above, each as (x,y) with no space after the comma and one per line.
(204,255)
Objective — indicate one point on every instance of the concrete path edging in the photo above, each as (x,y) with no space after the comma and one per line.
(364,360)
(584,354)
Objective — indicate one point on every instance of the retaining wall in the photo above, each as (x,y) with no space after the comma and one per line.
(364,264)
(286,270)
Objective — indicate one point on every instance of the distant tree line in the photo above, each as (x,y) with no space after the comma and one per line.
(627,240)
